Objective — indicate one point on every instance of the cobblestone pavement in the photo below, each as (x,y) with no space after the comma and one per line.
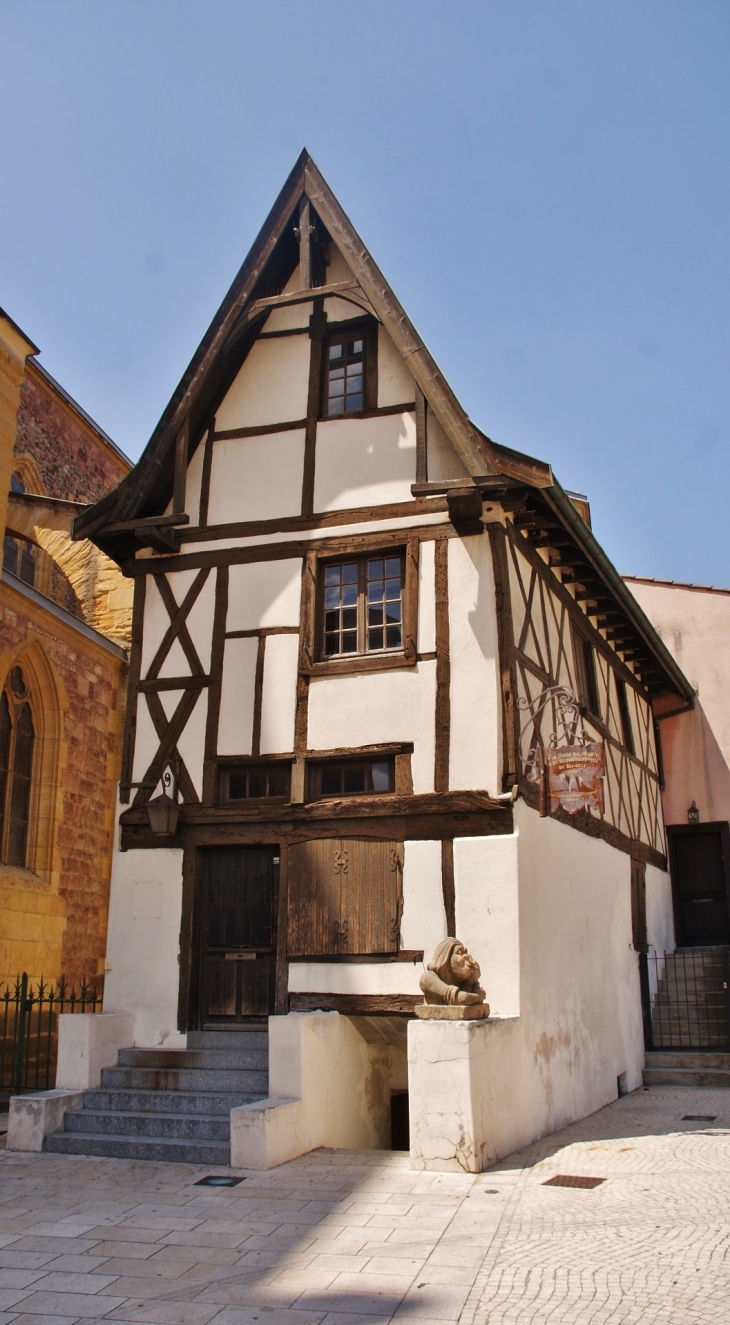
(345,1238)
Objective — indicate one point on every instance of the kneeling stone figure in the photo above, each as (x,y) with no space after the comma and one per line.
(450,985)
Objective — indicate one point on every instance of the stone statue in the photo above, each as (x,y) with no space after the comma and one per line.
(451,986)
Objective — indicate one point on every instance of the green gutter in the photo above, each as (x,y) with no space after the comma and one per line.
(559,499)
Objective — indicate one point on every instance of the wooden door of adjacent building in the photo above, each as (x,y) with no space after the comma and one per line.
(238,933)
(345,896)
(699,858)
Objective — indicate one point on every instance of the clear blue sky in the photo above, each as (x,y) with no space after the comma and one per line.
(543,182)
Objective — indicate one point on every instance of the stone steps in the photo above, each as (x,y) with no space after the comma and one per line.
(157,1148)
(664,1068)
(170,1104)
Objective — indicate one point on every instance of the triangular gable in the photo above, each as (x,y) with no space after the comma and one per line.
(270,263)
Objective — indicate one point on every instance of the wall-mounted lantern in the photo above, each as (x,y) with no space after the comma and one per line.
(693,814)
(163,810)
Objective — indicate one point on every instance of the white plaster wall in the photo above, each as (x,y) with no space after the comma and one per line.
(264,594)
(157,620)
(357,978)
(146,741)
(278,700)
(375,708)
(340,308)
(143,942)
(443,461)
(659,910)
(580,998)
(427,598)
(256,478)
(337,267)
(193,482)
(579,1026)
(271,386)
(200,621)
(236,711)
(488,914)
(423,923)
(395,382)
(191,741)
(364,461)
(475,758)
(288,317)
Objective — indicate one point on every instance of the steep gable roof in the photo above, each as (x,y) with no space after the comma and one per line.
(268,265)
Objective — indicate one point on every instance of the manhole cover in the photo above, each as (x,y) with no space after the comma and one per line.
(571,1180)
(218,1180)
(699,1117)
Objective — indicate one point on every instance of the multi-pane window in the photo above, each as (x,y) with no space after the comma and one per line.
(350,777)
(256,782)
(17,739)
(344,392)
(362,605)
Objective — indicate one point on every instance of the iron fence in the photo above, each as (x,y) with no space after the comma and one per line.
(29,1029)
(686,998)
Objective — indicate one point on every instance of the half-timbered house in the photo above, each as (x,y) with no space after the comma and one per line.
(395,690)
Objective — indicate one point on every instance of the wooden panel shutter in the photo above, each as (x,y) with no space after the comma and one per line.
(345,896)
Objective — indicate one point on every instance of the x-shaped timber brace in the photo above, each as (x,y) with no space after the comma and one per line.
(168,730)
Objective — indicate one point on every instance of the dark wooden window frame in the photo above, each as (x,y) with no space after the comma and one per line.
(627,731)
(232,765)
(364,546)
(362,630)
(357,328)
(586,680)
(316,767)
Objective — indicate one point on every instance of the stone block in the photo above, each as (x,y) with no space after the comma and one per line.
(33,1117)
(87,1042)
(451,1011)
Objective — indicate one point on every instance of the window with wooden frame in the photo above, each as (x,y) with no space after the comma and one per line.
(255,781)
(623,708)
(19,557)
(350,368)
(17,743)
(361,605)
(585,673)
(350,777)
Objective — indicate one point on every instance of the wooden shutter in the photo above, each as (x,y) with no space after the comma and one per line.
(345,896)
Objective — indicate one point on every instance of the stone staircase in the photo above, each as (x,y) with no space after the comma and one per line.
(664,1068)
(170,1104)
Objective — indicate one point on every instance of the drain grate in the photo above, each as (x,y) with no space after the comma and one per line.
(571,1180)
(699,1117)
(218,1180)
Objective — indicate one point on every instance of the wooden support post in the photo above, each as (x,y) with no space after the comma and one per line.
(421,436)
(317,333)
(448,886)
(443,669)
(215,686)
(181,468)
(507,664)
(135,665)
(305,246)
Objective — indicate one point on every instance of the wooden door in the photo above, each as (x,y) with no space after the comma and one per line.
(345,896)
(699,862)
(238,956)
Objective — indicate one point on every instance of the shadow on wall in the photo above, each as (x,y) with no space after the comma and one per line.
(695,768)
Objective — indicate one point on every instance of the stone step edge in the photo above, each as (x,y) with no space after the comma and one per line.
(147,1141)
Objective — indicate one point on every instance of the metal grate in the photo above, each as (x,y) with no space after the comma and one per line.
(571,1180)
(686,998)
(218,1180)
(29,1029)
(699,1117)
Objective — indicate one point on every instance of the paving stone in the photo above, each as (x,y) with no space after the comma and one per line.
(69,1304)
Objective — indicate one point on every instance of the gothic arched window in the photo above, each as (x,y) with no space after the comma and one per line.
(17,739)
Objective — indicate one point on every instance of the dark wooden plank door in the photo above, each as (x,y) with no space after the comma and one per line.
(345,896)
(238,951)
(699,861)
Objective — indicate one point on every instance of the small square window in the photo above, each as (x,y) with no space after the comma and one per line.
(345,387)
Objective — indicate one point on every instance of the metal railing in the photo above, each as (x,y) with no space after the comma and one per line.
(29,1029)
(686,998)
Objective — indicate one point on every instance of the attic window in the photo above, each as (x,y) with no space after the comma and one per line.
(345,375)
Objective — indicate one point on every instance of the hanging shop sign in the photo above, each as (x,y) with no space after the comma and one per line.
(572,778)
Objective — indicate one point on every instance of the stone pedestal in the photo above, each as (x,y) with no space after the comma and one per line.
(447,1078)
